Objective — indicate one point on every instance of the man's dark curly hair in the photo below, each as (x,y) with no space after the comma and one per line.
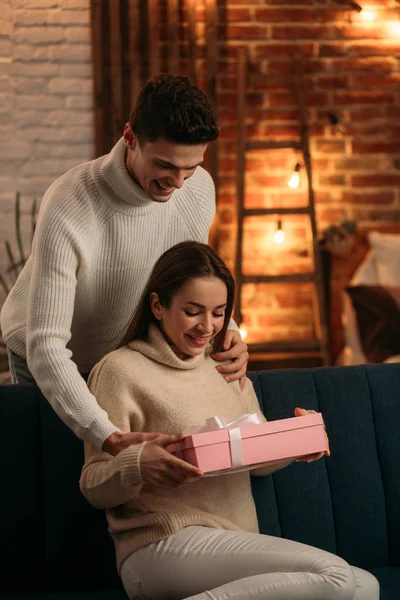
(172,108)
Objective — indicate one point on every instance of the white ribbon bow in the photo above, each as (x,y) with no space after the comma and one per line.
(235,438)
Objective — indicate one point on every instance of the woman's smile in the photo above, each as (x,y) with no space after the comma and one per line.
(198,341)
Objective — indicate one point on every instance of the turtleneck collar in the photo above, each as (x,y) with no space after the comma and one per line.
(157,348)
(114,172)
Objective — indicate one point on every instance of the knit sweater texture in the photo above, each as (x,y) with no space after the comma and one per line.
(97,239)
(146,387)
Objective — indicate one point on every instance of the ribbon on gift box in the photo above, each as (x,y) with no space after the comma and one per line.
(233,427)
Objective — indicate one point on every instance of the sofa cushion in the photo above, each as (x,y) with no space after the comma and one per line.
(50,533)
(300,488)
(347,502)
(73,595)
(384,385)
(79,549)
(21,499)
(377,310)
(389,581)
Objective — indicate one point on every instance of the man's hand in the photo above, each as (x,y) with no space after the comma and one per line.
(118,441)
(160,468)
(234,349)
(300,412)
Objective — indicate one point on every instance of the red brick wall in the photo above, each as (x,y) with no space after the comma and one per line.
(352,69)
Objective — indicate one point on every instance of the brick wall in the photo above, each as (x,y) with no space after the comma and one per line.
(45,101)
(352,69)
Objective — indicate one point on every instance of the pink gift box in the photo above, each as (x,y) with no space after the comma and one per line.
(261,443)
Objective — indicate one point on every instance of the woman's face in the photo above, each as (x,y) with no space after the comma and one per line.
(195,316)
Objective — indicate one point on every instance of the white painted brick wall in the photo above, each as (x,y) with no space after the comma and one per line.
(46,116)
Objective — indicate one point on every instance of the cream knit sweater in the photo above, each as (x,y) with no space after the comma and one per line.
(146,387)
(98,237)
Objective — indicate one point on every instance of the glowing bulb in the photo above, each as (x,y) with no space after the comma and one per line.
(294,179)
(243,332)
(368,15)
(395,28)
(279,236)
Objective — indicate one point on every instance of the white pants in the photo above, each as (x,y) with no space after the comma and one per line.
(200,563)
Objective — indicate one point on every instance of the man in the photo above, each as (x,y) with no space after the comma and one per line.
(101,228)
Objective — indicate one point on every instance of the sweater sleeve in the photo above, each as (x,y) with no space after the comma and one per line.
(108,481)
(56,260)
(250,397)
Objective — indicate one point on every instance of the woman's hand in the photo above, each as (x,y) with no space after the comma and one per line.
(235,350)
(301,412)
(160,468)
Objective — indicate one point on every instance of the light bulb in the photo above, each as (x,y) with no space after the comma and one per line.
(279,235)
(368,15)
(395,28)
(243,332)
(295,177)
(294,181)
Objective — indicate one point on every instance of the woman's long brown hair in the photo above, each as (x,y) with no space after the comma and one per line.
(177,265)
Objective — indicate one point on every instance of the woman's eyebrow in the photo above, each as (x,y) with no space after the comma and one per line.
(202,305)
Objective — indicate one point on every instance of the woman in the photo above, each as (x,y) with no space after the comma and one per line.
(178,535)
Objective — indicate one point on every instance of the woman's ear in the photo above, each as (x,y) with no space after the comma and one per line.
(155,306)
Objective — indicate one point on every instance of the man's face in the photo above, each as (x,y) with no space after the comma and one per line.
(161,167)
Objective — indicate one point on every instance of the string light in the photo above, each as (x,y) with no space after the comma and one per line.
(279,235)
(294,180)
(368,15)
(243,332)
(395,28)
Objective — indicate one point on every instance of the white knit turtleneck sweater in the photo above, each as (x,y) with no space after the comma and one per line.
(97,239)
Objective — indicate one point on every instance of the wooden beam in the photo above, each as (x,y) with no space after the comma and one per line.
(289,278)
(240,170)
(211,50)
(173,36)
(192,41)
(285,345)
(153,37)
(116,53)
(212,68)
(288,355)
(144,38)
(273,145)
(320,321)
(135,71)
(257,212)
(101,77)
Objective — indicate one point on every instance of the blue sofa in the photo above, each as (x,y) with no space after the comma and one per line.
(54,545)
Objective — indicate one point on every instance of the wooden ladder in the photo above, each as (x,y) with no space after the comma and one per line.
(318,346)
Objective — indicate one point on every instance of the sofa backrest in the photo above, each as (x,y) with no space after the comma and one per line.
(50,537)
(348,504)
